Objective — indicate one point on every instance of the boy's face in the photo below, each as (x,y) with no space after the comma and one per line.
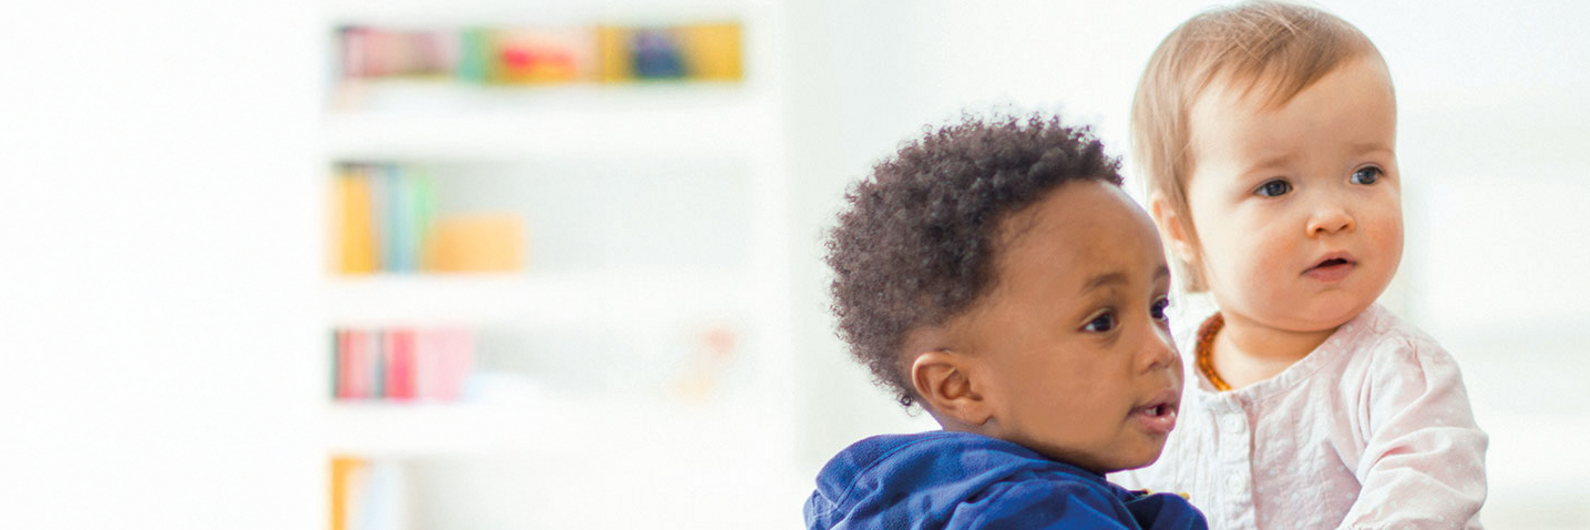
(1071,347)
(1298,209)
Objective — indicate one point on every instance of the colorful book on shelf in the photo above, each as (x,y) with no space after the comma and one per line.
(541,56)
(402,364)
(357,360)
(710,51)
(356,237)
(345,481)
(384,220)
(376,356)
(656,54)
(368,494)
(457,350)
(474,56)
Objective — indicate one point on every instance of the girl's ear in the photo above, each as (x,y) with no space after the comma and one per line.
(946,382)
(1173,227)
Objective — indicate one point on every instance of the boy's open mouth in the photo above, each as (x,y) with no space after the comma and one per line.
(1159,415)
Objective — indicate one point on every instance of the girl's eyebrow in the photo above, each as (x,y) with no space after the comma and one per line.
(1270,162)
(1370,146)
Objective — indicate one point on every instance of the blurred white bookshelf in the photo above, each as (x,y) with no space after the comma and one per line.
(432,119)
(648,322)
(632,299)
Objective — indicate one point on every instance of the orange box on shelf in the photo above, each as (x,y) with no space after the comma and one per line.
(543,56)
(477,243)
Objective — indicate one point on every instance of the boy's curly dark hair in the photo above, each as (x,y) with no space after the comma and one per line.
(916,243)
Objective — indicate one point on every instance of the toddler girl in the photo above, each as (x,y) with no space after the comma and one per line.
(1267,132)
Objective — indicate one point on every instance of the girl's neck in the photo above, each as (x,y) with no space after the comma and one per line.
(1246,352)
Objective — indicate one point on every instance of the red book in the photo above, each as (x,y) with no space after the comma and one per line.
(400,366)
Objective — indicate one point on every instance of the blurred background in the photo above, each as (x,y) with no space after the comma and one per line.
(414,264)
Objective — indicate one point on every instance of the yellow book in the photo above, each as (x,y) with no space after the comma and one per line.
(358,250)
(713,51)
(342,471)
(613,55)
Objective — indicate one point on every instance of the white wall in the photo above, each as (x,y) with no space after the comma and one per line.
(1493,131)
(156,187)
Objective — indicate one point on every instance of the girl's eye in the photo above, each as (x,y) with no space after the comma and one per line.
(1367,176)
(1274,188)
(1102,323)
(1158,309)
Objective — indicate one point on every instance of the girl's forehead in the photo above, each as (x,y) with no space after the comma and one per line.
(1271,86)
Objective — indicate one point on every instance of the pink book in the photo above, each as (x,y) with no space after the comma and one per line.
(457,359)
(400,365)
(361,364)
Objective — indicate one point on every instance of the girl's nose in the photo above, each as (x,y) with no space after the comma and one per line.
(1329,217)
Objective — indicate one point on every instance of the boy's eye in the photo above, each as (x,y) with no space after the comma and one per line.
(1158,309)
(1274,188)
(1366,176)
(1102,323)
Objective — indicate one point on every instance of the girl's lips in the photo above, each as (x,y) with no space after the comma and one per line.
(1331,272)
(1332,268)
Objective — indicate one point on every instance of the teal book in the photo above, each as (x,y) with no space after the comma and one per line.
(391,216)
(474,55)
(400,249)
(423,218)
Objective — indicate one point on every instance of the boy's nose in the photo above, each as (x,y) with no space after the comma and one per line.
(1159,351)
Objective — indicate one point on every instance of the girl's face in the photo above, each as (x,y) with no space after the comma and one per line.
(1297,208)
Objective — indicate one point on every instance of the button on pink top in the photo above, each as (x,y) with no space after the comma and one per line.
(1371,430)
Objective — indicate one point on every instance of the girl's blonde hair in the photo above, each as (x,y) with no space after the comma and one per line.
(1270,50)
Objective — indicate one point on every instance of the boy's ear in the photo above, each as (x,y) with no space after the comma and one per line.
(945,381)
(1172,226)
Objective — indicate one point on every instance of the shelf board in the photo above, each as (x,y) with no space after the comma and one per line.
(443,120)
(565,300)
(541,426)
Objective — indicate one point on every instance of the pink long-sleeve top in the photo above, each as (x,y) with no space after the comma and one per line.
(1370,430)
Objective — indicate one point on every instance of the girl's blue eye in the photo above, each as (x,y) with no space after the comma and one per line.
(1102,323)
(1274,188)
(1367,176)
(1158,309)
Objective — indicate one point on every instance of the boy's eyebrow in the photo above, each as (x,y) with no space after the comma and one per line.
(1118,277)
(1108,278)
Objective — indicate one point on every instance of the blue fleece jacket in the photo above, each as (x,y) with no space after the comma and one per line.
(951,480)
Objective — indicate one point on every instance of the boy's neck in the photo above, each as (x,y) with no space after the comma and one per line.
(1246,352)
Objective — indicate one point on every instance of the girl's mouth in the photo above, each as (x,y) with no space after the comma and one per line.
(1333,268)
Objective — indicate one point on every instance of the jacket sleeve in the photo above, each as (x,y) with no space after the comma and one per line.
(1042,504)
(1424,463)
